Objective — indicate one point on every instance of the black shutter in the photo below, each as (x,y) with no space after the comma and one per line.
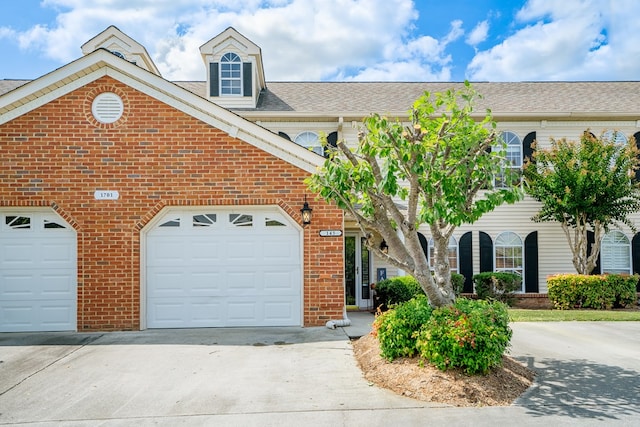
(214,80)
(635,255)
(465,255)
(425,245)
(247,79)
(591,239)
(332,143)
(486,252)
(284,135)
(531,263)
(527,146)
(637,138)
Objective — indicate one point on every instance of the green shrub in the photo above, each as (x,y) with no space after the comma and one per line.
(400,289)
(457,281)
(396,329)
(567,291)
(471,335)
(496,285)
(397,290)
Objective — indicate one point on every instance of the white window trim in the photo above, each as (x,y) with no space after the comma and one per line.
(608,245)
(316,148)
(495,263)
(513,137)
(237,60)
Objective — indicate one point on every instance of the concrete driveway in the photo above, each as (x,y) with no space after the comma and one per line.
(588,375)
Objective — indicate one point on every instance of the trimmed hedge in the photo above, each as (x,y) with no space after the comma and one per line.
(496,285)
(401,289)
(567,291)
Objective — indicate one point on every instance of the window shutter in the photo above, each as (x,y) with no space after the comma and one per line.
(531,262)
(465,253)
(486,252)
(635,256)
(527,147)
(637,138)
(214,79)
(247,79)
(590,241)
(284,135)
(332,143)
(425,246)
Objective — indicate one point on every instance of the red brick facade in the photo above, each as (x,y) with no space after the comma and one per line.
(155,156)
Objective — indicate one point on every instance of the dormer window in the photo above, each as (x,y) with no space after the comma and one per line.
(230,74)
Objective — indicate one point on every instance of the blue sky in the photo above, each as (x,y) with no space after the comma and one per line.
(365,40)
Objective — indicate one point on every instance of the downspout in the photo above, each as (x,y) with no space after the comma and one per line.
(345,321)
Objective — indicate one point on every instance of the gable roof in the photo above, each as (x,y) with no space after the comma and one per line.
(112,38)
(24,97)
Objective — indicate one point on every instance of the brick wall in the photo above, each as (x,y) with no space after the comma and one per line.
(155,156)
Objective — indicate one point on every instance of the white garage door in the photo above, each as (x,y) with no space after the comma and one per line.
(38,285)
(223,268)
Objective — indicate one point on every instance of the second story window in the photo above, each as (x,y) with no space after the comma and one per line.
(513,155)
(230,74)
(311,141)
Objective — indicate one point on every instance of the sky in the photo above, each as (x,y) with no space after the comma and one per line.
(344,40)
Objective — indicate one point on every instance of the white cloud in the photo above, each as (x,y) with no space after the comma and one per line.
(478,34)
(300,39)
(589,40)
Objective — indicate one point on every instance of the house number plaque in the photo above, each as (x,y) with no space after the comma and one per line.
(330,233)
(106,195)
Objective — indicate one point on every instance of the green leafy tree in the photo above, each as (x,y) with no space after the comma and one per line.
(584,186)
(437,170)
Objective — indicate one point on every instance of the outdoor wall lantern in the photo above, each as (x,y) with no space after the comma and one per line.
(306,212)
(384,248)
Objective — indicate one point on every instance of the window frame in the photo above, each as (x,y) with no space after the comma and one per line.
(512,136)
(453,245)
(606,246)
(521,268)
(316,148)
(233,62)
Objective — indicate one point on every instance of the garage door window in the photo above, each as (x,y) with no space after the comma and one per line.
(51,224)
(273,223)
(241,220)
(204,220)
(18,222)
(171,223)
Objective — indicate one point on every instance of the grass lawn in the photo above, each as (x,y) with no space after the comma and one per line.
(528,315)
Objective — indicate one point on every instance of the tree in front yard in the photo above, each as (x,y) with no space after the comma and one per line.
(438,170)
(585,186)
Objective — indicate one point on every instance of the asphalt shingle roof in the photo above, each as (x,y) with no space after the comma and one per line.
(549,99)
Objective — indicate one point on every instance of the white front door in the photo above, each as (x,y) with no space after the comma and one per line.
(223,267)
(357,272)
(38,278)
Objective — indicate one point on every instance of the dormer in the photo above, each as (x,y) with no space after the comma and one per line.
(123,46)
(235,75)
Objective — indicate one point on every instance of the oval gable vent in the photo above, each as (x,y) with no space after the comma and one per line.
(107,107)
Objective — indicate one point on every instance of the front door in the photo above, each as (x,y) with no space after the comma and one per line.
(357,272)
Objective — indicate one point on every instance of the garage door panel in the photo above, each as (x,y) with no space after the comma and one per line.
(166,313)
(281,281)
(57,254)
(243,282)
(181,283)
(18,255)
(26,316)
(35,284)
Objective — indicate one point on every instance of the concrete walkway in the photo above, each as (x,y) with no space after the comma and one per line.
(588,374)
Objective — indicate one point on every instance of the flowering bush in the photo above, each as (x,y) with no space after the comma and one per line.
(470,335)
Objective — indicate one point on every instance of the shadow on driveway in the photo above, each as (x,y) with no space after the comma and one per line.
(581,389)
